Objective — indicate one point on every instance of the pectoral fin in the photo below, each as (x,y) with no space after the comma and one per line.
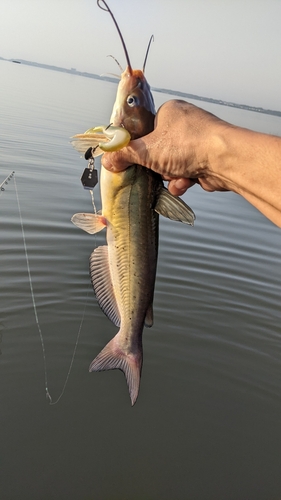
(91,223)
(174,208)
(102,284)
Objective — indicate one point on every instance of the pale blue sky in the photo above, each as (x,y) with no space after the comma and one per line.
(226,49)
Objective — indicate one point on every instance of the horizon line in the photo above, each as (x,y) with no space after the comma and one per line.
(255,109)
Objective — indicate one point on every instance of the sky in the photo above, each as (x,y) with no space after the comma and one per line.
(225,49)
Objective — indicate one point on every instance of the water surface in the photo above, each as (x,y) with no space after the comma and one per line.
(207,421)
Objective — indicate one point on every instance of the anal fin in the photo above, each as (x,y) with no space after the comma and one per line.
(102,284)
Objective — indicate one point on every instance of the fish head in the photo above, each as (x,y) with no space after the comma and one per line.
(134,105)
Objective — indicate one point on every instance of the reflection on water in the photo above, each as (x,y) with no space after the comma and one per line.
(207,422)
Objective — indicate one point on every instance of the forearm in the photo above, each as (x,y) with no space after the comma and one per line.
(249,163)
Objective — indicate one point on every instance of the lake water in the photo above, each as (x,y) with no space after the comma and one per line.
(207,423)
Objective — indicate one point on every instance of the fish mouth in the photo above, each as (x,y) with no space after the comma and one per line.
(119,122)
(121,119)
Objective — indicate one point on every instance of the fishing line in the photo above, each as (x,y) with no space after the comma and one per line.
(93,200)
(32,293)
(48,396)
(74,352)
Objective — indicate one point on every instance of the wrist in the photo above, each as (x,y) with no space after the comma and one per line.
(230,155)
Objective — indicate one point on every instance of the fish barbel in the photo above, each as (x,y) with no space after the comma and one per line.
(123,271)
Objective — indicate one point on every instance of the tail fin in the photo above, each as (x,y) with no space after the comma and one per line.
(113,357)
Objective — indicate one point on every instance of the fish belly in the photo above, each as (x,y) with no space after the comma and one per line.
(132,237)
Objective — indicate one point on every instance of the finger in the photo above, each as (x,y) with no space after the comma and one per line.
(178,186)
(117,161)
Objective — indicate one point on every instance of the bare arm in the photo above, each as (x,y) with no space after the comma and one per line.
(190,145)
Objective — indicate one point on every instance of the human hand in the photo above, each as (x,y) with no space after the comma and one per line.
(179,148)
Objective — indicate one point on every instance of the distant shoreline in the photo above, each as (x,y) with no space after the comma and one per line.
(177,93)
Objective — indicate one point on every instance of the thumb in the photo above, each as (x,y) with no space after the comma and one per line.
(117,161)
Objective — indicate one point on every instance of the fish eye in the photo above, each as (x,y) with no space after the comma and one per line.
(132,101)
